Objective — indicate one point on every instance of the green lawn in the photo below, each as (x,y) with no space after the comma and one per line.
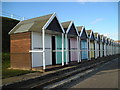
(10,72)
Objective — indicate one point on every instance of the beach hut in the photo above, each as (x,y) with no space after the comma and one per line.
(91,44)
(109,49)
(71,38)
(37,42)
(117,47)
(105,46)
(101,46)
(112,46)
(83,41)
(97,44)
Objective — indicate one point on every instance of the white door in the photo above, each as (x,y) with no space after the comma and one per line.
(37,45)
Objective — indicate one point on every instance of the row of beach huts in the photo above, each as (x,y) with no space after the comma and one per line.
(44,41)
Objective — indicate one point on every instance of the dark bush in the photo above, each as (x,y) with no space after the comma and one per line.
(7,25)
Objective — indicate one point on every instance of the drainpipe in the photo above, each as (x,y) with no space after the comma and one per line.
(66,48)
(111,49)
(101,49)
(95,43)
(62,49)
(78,47)
(105,49)
(88,48)
(43,35)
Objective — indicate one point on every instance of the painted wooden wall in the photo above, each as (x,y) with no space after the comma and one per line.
(37,45)
(73,46)
(105,49)
(91,49)
(84,48)
(97,49)
(101,49)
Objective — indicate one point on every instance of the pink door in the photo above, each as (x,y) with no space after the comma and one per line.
(73,47)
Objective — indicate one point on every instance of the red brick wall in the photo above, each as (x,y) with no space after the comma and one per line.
(20,44)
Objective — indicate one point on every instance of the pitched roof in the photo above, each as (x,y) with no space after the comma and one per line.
(89,31)
(96,34)
(34,24)
(69,28)
(79,28)
(66,24)
(101,36)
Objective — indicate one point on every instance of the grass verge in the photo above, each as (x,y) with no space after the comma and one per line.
(6,73)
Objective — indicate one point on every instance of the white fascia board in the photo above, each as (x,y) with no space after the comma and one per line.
(81,32)
(49,21)
(14,27)
(97,36)
(75,29)
(91,34)
(86,33)
(72,22)
(60,24)
(68,29)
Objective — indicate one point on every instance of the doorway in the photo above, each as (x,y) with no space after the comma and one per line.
(99,49)
(53,52)
(69,50)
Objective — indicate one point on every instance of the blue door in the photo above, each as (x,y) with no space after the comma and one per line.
(84,49)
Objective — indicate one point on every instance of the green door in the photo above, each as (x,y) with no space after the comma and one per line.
(64,51)
(59,47)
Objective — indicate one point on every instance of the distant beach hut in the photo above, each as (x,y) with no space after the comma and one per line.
(109,49)
(83,42)
(97,44)
(101,46)
(105,46)
(72,41)
(91,44)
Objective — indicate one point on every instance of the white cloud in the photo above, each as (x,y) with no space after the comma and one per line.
(96,20)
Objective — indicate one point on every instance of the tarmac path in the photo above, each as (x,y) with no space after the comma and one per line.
(105,77)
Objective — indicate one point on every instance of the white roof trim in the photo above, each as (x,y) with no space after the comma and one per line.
(14,27)
(76,29)
(82,32)
(97,36)
(91,34)
(60,24)
(68,29)
(49,21)
(72,22)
